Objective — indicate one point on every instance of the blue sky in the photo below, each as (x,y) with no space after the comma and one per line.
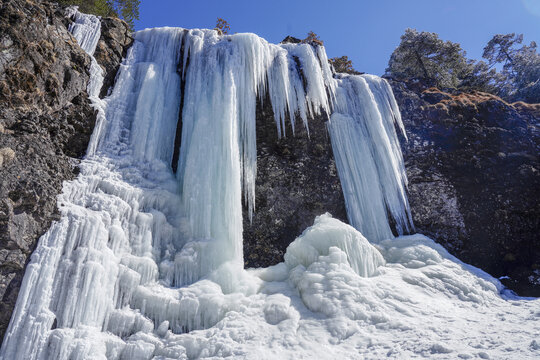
(365,30)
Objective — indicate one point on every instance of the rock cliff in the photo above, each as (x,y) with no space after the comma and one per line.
(474,183)
(45,124)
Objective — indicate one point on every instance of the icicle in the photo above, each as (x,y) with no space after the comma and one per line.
(219,151)
(368,156)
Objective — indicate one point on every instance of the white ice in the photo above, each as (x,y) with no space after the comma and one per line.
(368,156)
(147,264)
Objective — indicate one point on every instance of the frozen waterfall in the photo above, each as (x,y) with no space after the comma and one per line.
(143,255)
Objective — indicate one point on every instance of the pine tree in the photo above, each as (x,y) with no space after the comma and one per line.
(313,39)
(127,9)
(521,67)
(423,56)
(343,65)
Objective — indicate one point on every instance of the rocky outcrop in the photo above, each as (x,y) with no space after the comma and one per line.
(45,124)
(111,49)
(474,183)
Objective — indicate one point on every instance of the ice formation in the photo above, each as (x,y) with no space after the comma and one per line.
(87,31)
(368,156)
(146,263)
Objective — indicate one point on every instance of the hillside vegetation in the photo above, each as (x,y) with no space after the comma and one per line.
(424,58)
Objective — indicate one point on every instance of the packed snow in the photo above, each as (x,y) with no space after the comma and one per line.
(147,264)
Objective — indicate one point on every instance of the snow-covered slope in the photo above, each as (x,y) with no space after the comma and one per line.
(146,263)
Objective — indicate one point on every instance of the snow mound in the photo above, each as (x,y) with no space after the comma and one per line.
(340,243)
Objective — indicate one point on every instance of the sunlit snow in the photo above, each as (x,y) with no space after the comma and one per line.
(147,264)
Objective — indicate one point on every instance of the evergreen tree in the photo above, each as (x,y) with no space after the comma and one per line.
(484,78)
(126,9)
(521,67)
(423,56)
(313,39)
(222,26)
(343,65)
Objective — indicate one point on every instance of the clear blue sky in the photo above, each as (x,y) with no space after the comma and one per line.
(365,30)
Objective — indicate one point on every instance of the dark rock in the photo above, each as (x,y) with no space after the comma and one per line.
(473,168)
(474,182)
(112,48)
(45,124)
(297,180)
(291,40)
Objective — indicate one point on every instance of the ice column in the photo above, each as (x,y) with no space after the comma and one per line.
(368,156)
(87,30)
(119,217)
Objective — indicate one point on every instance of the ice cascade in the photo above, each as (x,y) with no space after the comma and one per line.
(149,245)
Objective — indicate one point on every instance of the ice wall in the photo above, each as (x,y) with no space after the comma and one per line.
(143,252)
(119,222)
(223,80)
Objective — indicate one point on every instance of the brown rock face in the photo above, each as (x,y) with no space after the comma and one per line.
(474,182)
(45,124)
(296,180)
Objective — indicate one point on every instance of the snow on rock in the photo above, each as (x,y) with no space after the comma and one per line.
(147,264)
